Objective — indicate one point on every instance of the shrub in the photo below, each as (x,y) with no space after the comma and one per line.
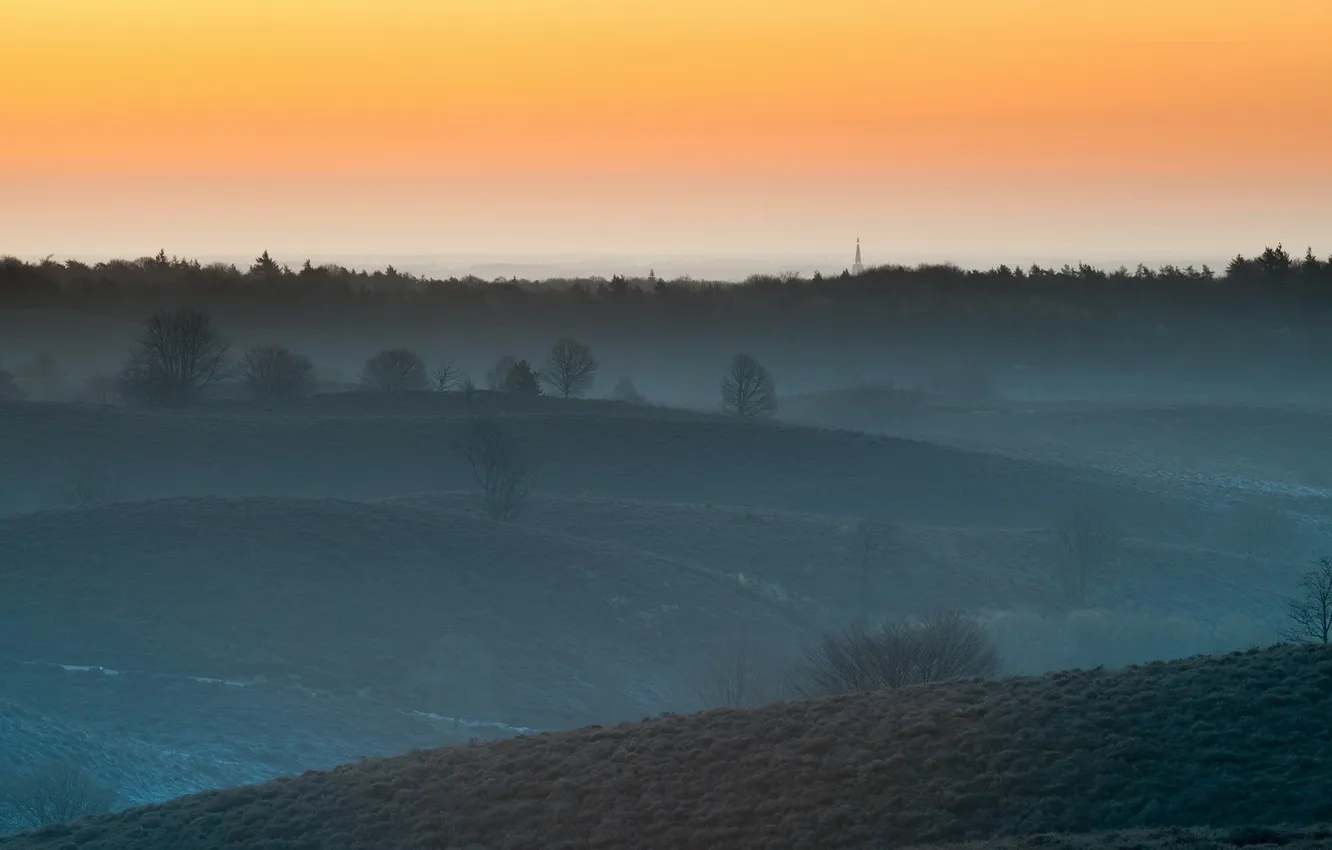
(522,380)
(570,368)
(273,373)
(179,355)
(943,647)
(499,465)
(54,793)
(739,676)
(395,370)
(748,390)
(626,392)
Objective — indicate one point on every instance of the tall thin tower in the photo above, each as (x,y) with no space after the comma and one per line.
(857,267)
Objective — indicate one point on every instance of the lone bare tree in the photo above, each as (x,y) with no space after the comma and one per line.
(447,378)
(1087,546)
(748,390)
(395,370)
(945,646)
(273,373)
(178,356)
(570,368)
(54,793)
(499,465)
(1311,612)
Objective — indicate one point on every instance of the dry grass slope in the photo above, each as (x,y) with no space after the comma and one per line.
(1220,742)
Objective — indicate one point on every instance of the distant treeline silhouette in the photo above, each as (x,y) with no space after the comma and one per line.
(1263,312)
(1274,277)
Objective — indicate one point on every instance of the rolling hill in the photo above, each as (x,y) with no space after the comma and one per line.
(1219,742)
(450,613)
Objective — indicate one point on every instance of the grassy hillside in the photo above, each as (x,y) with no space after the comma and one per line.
(451,613)
(363,446)
(1219,741)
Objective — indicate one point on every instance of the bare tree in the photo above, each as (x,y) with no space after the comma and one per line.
(1311,612)
(570,368)
(179,355)
(272,373)
(395,370)
(54,793)
(747,390)
(499,465)
(102,389)
(447,378)
(944,647)
(1087,546)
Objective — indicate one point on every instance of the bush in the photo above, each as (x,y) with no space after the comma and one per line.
(395,370)
(522,380)
(739,676)
(274,373)
(53,793)
(943,647)
(747,390)
(626,392)
(570,368)
(179,355)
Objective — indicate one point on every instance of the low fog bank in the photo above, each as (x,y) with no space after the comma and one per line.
(245,534)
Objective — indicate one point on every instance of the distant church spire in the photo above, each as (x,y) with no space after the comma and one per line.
(858,266)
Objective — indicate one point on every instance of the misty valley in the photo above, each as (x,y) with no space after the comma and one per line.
(907,556)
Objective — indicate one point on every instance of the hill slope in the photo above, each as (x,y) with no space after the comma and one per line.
(357,447)
(451,613)
(1209,741)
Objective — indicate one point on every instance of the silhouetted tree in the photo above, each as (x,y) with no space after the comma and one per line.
(499,465)
(395,370)
(54,793)
(273,373)
(748,390)
(522,379)
(944,647)
(570,368)
(1311,612)
(446,378)
(179,355)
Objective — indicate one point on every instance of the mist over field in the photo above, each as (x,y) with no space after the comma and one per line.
(276,517)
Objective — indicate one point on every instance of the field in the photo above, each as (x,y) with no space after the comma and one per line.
(206,598)
(1235,743)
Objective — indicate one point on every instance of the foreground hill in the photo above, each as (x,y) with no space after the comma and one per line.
(1219,741)
(449,613)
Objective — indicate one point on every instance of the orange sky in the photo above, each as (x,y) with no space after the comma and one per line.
(717,96)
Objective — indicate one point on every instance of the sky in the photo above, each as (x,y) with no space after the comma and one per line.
(1098,130)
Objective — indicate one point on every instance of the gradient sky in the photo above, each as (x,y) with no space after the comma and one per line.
(1086,128)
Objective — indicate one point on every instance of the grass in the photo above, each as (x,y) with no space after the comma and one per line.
(1219,742)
